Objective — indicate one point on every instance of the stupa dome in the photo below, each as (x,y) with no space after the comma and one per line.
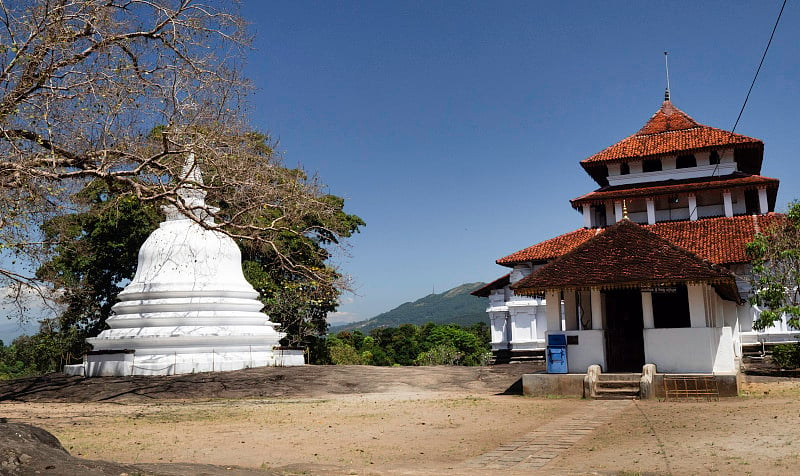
(189,307)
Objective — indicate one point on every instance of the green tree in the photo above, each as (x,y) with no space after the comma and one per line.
(407,344)
(95,253)
(402,344)
(12,365)
(775,275)
(469,348)
(297,285)
(121,92)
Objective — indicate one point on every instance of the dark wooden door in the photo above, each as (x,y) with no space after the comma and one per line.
(624,331)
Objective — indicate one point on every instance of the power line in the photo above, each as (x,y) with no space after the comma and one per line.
(755,77)
(759,66)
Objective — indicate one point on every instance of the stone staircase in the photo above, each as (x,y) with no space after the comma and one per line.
(618,386)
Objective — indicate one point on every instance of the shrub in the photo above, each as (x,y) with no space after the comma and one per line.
(344,354)
(441,354)
(786,356)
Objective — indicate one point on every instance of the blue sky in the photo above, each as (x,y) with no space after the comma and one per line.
(455,128)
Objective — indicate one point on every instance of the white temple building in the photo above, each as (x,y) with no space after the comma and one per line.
(658,273)
(188,308)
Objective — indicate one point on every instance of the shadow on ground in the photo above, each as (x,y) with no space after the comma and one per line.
(269,382)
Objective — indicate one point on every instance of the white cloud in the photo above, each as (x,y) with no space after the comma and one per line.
(336,318)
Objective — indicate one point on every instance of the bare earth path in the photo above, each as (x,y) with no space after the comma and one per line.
(367,420)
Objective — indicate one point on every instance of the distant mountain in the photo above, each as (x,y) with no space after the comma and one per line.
(455,306)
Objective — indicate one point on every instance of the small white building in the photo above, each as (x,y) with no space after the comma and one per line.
(658,273)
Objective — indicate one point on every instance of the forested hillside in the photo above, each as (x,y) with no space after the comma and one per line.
(455,306)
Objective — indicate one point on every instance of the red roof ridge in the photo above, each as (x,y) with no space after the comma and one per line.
(668,118)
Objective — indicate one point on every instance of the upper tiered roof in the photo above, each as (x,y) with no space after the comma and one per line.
(670,132)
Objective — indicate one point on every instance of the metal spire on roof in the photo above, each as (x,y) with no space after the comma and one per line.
(624,210)
(666,66)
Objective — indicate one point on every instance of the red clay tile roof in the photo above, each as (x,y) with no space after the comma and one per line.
(549,249)
(496,284)
(667,118)
(668,132)
(672,187)
(719,240)
(627,255)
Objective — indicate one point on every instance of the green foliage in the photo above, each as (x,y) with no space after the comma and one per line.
(775,277)
(12,364)
(95,252)
(440,354)
(344,354)
(786,356)
(431,344)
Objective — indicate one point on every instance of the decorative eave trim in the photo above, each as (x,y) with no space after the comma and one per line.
(645,192)
(539,290)
(587,164)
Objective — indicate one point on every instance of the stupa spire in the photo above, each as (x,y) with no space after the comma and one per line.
(191,194)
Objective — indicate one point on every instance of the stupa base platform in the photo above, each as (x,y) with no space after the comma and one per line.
(124,363)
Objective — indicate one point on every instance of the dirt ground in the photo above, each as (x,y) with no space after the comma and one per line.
(368,420)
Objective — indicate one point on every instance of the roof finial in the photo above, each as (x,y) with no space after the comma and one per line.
(666,66)
(624,210)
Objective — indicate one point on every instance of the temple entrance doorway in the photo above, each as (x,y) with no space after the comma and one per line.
(624,330)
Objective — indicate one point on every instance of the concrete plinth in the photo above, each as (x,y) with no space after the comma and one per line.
(542,385)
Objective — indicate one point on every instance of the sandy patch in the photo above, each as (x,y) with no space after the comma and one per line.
(361,432)
(416,421)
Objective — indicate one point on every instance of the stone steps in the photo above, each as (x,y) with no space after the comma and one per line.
(618,387)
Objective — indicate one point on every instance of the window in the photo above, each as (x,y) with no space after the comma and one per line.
(624,169)
(713,158)
(599,215)
(671,307)
(686,161)
(651,165)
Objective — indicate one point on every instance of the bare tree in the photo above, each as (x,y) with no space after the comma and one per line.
(123,91)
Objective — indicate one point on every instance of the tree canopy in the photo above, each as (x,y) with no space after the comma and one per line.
(119,92)
(776,271)
(95,253)
(101,103)
(408,344)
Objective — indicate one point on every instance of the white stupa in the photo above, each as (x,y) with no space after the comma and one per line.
(188,308)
